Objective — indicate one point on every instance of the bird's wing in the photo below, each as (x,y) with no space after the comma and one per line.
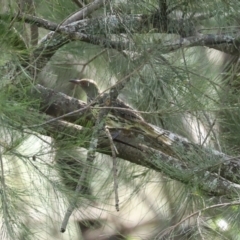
(125,111)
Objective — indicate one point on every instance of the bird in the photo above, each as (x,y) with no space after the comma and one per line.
(121,115)
(89,86)
(120,108)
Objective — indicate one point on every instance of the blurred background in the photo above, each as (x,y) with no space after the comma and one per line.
(192,91)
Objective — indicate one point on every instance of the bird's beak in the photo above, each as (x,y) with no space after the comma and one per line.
(75,81)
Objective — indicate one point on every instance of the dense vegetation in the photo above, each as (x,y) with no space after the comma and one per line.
(68,164)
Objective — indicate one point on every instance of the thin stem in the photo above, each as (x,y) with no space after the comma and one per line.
(114,168)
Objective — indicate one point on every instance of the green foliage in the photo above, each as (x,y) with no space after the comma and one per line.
(191,91)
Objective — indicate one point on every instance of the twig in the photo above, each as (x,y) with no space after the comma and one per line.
(115,170)
(82,180)
(61,117)
(198,225)
(86,172)
(166,231)
(93,58)
(209,131)
(85,11)
(117,87)
(78,3)
(211,125)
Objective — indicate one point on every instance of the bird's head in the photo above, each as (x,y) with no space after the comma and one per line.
(89,86)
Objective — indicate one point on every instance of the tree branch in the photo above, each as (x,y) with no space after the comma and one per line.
(216,41)
(83,30)
(181,156)
(85,11)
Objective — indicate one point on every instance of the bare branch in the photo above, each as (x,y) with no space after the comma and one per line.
(215,41)
(78,3)
(82,30)
(169,229)
(114,168)
(85,11)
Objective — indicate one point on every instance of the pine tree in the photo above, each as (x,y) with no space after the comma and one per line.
(175,166)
